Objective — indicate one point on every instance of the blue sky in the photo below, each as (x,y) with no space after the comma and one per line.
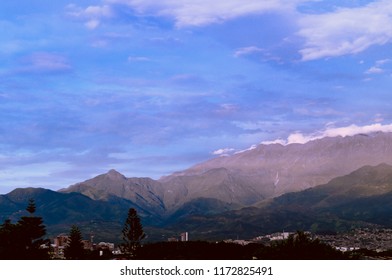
(152,87)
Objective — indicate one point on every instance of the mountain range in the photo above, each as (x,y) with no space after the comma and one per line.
(329,184)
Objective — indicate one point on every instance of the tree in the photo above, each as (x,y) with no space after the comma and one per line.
(23,240)
(132,233)
(300,246)
(7,240)
(31,206)
(30,231)
(74,249)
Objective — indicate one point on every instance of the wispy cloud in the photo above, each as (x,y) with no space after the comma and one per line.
(247,51)
(138,59)
(92,15)
(330,131)
(378,67)
(346,30)
(338,131)
(223,152)
(44,62)
(374,70)
(203,12)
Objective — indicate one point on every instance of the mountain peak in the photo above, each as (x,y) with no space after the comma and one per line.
(115,175)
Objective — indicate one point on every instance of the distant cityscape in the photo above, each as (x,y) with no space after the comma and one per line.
(377,240)
(372,239)
(60,242)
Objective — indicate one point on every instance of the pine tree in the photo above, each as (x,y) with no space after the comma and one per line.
(30,231)
(133,234)
(74,249)
(31,206)
(23,240)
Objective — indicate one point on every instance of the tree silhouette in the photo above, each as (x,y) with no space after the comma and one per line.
(7,240)
(300,246)
(31,231)
(133,234)
(74,249)
(23,240)
(31,206)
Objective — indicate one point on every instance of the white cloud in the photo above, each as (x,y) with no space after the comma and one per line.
(379,118)
(92,24)
(338,131)
(249,149)
(223,152)
(377,68)
(90,11)
(346,30)
(247,51)
(383,61)
(374,70)
(300,138)
(92,15)
(98,11)
(277,141)
(203,12)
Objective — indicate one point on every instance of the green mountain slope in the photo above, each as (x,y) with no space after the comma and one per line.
(361,198)
(104,219)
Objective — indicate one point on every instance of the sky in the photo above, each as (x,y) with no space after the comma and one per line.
(152,87)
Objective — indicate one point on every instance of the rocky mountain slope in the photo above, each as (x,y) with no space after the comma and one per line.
(272,170)
(144,192)
(246,178)
(362,198)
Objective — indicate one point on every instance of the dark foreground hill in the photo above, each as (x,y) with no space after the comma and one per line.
(60,211)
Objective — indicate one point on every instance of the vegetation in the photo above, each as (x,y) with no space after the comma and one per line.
(196,250)
(296,247)
(24,240)
(74,249)
(300,246)
(133,234)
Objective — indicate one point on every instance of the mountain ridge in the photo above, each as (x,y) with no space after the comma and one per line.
(294,185)
(144,192)
(205,219)
(330,207)
(248,177)
(272,170)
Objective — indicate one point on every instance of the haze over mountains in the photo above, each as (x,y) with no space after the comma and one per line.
(288,185)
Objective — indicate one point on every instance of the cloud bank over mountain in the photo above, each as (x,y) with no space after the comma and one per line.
(329,131)
(338,131)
